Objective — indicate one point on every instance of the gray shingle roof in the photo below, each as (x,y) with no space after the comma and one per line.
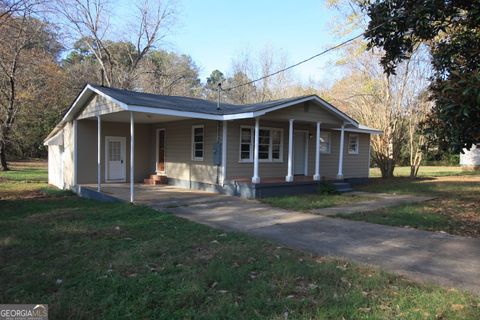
(187,104)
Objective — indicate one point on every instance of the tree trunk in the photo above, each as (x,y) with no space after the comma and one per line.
(3,157)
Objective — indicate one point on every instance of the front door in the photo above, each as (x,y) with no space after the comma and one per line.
(161,151)
(115,155)
(299,152)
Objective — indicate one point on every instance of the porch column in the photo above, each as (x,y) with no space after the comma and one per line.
(75,157)
(99,153)
(224,151)
(316,176)
(132,157)
(289,177)
(340,154)
(256,178)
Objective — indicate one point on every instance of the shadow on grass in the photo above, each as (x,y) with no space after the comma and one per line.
(96,260)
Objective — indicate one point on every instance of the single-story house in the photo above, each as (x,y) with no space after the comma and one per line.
(111,135)
(470,159)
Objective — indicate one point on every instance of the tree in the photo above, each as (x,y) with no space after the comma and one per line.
(168,73)
(117,60)
(23,38)
(451,29)
(380,101)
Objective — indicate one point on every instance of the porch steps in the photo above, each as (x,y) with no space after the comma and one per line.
(342,186)
(156,179)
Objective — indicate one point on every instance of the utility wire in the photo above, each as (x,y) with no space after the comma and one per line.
(303,61)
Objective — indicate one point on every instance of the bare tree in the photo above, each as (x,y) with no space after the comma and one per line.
(89,21)
(17,34)
(380,101)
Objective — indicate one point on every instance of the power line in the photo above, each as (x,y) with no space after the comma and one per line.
(303,61)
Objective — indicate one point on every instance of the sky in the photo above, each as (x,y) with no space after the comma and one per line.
(213,32)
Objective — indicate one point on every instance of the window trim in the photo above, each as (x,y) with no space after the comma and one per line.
(357,149)
(193,143)
(329,151)
(252,142)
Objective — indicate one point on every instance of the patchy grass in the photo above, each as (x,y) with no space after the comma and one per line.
(455,210)
(116,261)
(427,171)
(309,202)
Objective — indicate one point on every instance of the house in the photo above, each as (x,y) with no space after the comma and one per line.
(278,147)
(470,159)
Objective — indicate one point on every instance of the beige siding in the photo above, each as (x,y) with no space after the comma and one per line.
(87,149)
(55,166)
(355,166)
(304,112)
(178,151)
(98,106)
(68,155)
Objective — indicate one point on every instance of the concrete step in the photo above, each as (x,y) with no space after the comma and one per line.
(157,177)
(152,182)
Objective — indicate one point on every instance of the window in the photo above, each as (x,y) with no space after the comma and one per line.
(197,143)
(324,142)
(353,143)
(270,144)
(246,143)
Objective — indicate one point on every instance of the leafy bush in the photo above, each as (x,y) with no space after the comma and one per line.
(327,188)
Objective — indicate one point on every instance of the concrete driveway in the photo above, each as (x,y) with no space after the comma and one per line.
(425,256)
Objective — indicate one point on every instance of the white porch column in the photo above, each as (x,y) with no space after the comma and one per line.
(99,153)
(75,157)
(316,176)
(289,177)
(224,151)
(256,178)
(132,157)
(340,154)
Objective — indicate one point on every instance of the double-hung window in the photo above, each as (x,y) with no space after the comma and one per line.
(353,143)
(325,142)
(198,143)
(270,144)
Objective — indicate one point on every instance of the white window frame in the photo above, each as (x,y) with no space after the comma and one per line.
(194,158)
(252,143)
(357,149)
(329,151)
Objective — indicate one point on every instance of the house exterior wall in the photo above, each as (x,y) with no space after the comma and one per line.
(354,165)
(55,166)
(87,149)
(304,112)
(68,161)
(178,150)
(98,105)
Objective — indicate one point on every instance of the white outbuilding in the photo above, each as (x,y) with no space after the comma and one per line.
(470,159)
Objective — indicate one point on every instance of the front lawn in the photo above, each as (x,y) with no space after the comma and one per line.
(455,210)
(427,171)
(309,202)
(91,260)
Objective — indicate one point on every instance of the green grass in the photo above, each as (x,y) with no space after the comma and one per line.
(117,261)
(404,216)
(309,202)
(455,210)
(427,171)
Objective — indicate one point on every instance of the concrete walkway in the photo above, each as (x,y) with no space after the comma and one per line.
(425,256)
(381,201)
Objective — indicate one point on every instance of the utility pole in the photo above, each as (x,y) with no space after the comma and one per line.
(218,90)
